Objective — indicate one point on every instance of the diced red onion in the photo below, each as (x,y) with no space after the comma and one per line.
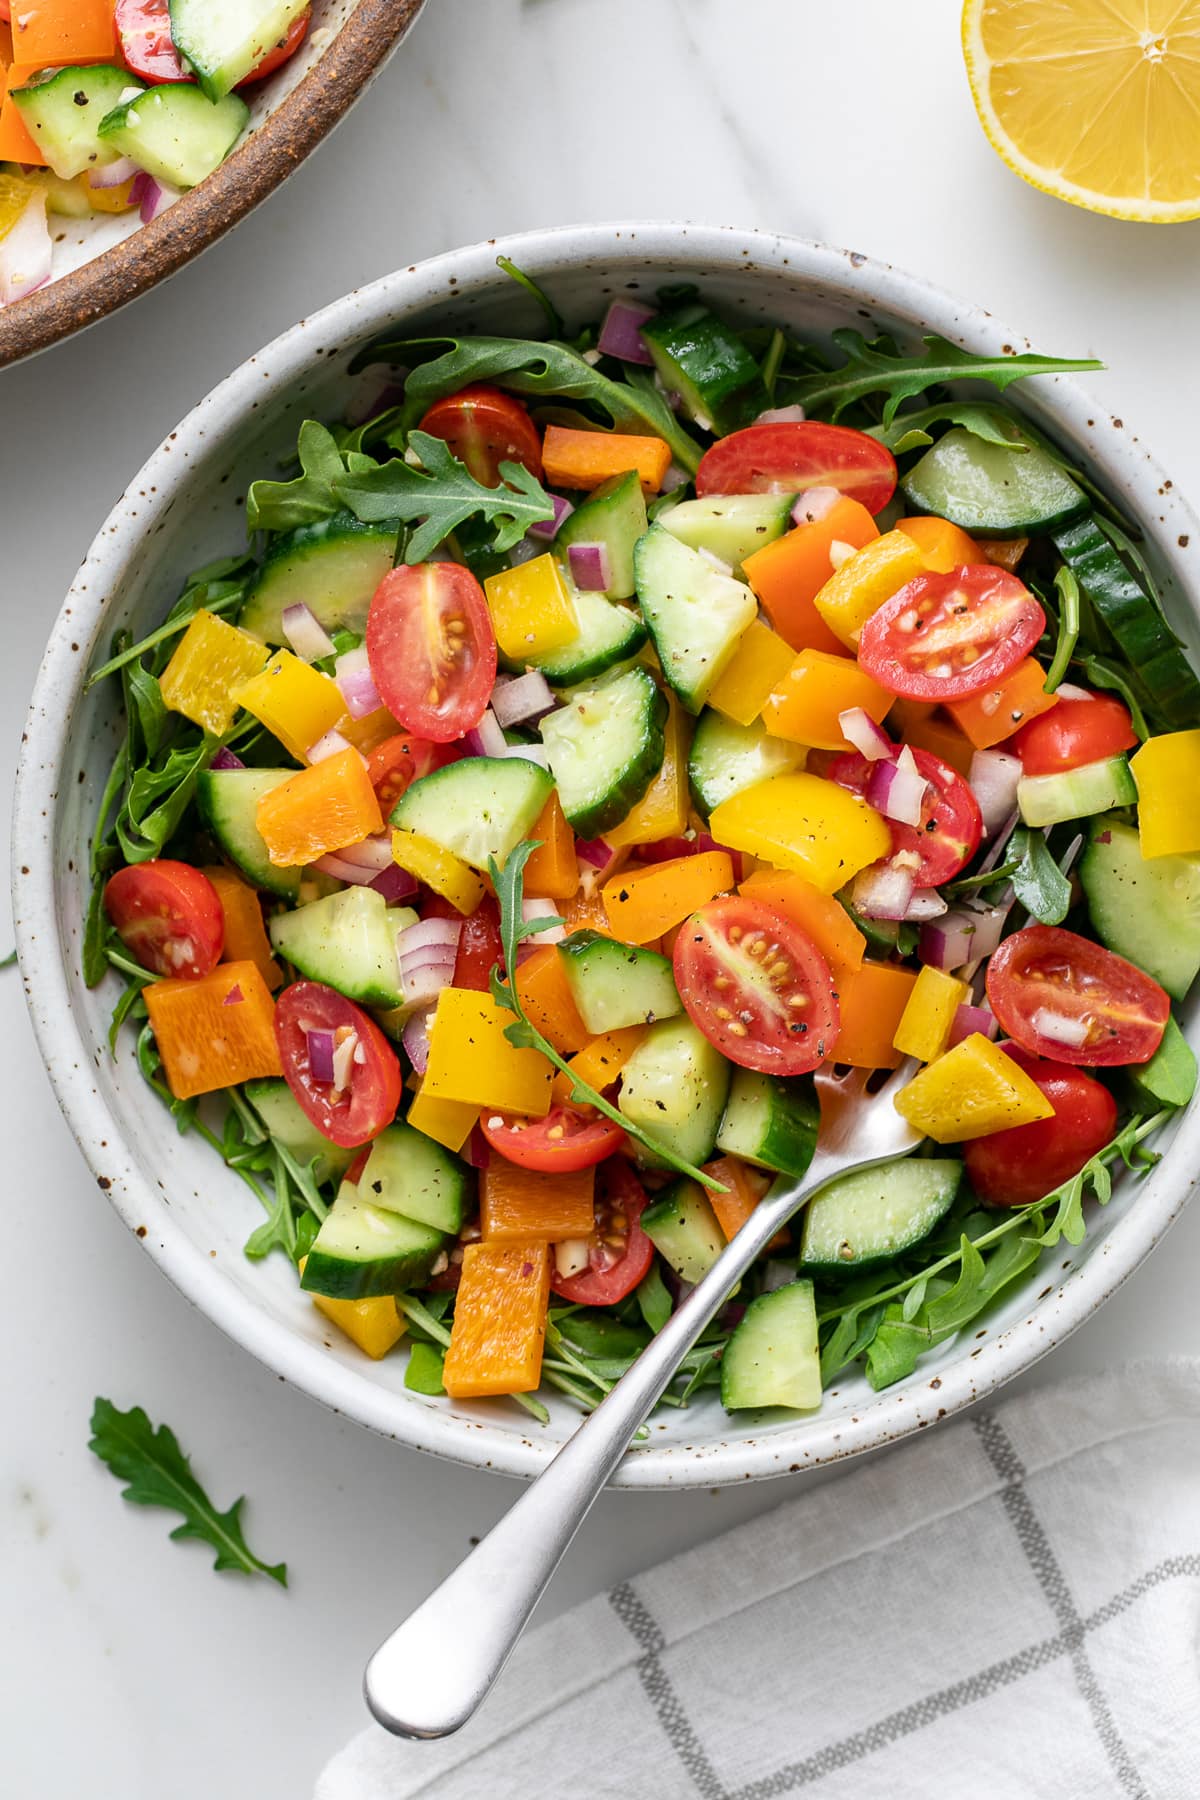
(422,986)
(114,174)
(590,567)
(225,759)
(477,1150)
(395,884)
(543,909)
(989,926)
(993,780)
(882,892)
(621,332)
(25,253)
(518,698)
(594,851)
(415,1038)
(869,739)
(675,477)
(339,869)
(373,853)
(926,903)
(320,1054)
(487,738)
(332,744)
(1066,690)
(897,791)
(1060,1029)
(781,415)
(971,1019)
(344,1056)
(950,943)
(534,753)
(434,956)
(305,632)
(234,997)
(814,503)
(151,197)
(548,529)
(442,934)
(352,672)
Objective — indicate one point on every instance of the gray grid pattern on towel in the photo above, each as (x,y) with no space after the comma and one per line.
(1069,1642)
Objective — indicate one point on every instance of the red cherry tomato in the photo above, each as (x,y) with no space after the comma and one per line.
(568,1138)
(358,1112)
(399,761)
(485,427)
(951,822)
(619,1252)
(168,915)
(281,51)
(1060,996)
(943,637)
(1073,733)
(1015,1167)
(758,989)
(785,459)
(479,947)
(431,649)
(144,30)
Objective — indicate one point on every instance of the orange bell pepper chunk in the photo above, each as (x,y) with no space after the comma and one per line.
(872,1001)
(56,32)
(819,916)
(16,141)
(518,1205)
(643,903)
(990,717)
(599,1062)
(366,734)
(321,809)
(788,574)
(499,1320)
(942,545)
(552,872)
(744,1188)
(246,937)
(585,459)
(585,912)
(546,996)
(926,728)
(215,1032)
(804,707)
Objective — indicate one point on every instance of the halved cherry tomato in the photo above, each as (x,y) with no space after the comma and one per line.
(568,1138)
(281,51)
(431,649)
(168,915)
(484,427)
(1073,733)
(399,761)
(144,30)
(1015,1167)
(756,987)
(479,947)
(1047,985)
(951,822)
(943,637)
(352,1115)
(619,1252)
(785,459)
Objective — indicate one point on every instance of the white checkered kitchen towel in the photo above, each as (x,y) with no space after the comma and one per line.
(1007,1609)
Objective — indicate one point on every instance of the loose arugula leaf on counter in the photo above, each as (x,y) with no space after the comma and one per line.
(443,494)
(158,1473)
(1039,883)
(282,505)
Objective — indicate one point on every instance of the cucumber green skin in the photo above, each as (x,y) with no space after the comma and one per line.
(699,357)
(615,985)
(872,1215)
(770,1122)
(1148,911)
(608,635)
(67,134)
(1078,794)
(774,1356)
(348,941)
(725,758)
(1169,1078)
(695,614)
(1159,666)
(222,44)
(614,515)
(675,1085)
(408,1173)
(226,799)
(402,1257)
(334,567)
(990,490)
(288,1123)
(683,1228)
(175,134)
(478,808)
(588,816)
(732,526)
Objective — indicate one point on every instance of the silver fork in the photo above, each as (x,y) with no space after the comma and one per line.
(430,1675)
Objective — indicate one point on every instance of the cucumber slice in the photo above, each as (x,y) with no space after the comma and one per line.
(287,1122)
(348,941)
(228,802)
(872,1215)
(1160,667)
(675,1086)
(175,133)
(223,40)
(614,515)
(1169,1078)
(64,113)
(614,985)
(608,634)
(605,746)
(732,526)
(408,1173)
(990,490)
(704,361)
(477,808)
(725,758)
(696,615)
(332,567)
(362,1250)
(1077,793)
(774,1357)
(683,1227)
(770,1122)
(1147,910)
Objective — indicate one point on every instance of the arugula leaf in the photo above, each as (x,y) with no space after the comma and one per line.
(654,1302)
(159,1474)
(983,419)
(282,505)
(1040,884)
(554,324)
(1068,628)
(443,494)
(1100,673)
(424,1372)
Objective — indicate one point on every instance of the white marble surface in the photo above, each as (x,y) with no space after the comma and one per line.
(127,1669)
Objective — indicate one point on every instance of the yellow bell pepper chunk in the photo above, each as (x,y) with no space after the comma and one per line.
(295,702)
(805,823)
(973,1090)
(471,1060)
(212,659)
(447,874)
(865,580)
(924,1028)
(374,1324)
(532,609)
(758,665)
(662,811)
(816,689)
(448,1122)
(1167,772)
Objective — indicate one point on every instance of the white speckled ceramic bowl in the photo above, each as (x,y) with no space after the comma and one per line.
(185,508)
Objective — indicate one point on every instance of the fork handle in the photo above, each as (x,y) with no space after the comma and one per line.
(430,1675)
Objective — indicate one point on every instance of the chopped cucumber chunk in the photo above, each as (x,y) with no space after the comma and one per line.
(991,490)
(478,808)
(773,1357)
(606,745)
(695,613)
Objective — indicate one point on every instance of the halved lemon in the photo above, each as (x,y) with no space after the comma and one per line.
(1094,101)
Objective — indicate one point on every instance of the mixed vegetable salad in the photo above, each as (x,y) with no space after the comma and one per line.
(116,106)
(603,734)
